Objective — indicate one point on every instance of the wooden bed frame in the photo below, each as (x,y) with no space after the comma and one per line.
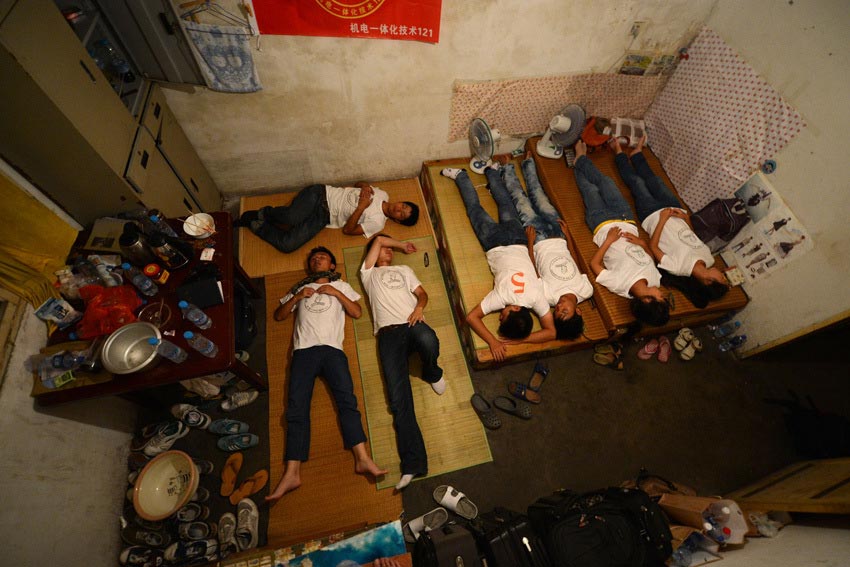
(559,183)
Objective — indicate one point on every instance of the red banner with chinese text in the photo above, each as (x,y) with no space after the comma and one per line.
(412,20)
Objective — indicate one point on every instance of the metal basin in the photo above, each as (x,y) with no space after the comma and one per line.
(127,349)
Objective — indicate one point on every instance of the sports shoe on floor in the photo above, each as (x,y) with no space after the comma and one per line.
(239,399)
(192,512)
(150,429)
(204,466)
(238,442)
(242,355)
(183,551)
(228,427)
(135,535)
(227,535)
(451,172)
(131,478)
(164,438)
(190,415)
(196,530)
(247,524)
(139,556)
(130,517)
(200,495)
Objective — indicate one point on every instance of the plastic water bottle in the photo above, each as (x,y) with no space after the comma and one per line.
(732,343)
(715,531)
(67,360)
(159,222)
(169,350)
(681,557)
(727,329)
(195,315)
(143,283)
(201,344)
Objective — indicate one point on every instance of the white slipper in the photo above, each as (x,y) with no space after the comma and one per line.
(689,351)
(456,501)
(683,339)
(424,523)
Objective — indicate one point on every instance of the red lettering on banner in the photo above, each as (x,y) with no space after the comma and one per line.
(411,20)
(520,285)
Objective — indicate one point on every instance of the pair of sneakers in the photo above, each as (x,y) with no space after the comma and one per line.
(239,532)
(159,437)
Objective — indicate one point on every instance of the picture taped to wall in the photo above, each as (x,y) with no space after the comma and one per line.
(408,20)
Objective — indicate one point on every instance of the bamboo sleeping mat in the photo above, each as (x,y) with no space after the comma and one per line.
(559,182)
(332,498)
(258,258)
(468,274)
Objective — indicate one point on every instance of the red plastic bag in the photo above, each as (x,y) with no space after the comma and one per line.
(107,309)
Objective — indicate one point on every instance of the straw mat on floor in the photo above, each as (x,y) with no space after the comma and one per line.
(466,265)
(332,498)
(454,436)
(258,258)
(559,183)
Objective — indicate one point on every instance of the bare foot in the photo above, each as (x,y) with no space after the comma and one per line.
(287,484)
(368,466)
(581,149)
(614,144)
(639,148)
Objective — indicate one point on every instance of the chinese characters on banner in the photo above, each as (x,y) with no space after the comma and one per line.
(412,20)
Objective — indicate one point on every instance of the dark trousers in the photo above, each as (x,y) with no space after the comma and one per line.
(307,364)
(395,344)
(303,218)
(649,191)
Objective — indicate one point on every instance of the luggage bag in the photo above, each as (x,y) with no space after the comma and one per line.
(507,540)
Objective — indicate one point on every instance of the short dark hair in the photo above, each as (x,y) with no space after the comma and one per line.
(655,313)
(318,249)
(414,214)
(517,324)
(569,329)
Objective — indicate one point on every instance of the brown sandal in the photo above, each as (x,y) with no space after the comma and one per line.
(229,473)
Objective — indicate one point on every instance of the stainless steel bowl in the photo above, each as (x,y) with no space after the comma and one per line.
(127,349)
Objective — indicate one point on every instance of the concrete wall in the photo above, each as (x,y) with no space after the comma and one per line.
(337,110)
(801,49)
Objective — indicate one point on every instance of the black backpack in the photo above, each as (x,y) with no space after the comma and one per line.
(613,527)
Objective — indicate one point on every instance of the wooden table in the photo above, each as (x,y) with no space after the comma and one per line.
(222,332)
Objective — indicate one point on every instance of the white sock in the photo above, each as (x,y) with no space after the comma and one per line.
(404,481)
(439,386)
(451,172)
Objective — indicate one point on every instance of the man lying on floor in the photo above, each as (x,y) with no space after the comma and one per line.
(516,287)
(362,209)
(322,301)
(398,300)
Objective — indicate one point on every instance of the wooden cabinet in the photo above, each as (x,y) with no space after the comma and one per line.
(64,127)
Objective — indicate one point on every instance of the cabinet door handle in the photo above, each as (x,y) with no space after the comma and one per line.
(188,205)
(88,72)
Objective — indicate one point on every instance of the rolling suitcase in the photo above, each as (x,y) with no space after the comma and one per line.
(507,540)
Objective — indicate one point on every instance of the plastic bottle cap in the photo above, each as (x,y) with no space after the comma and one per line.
(153,341)
(707,526)
(183,304)
(188,335)
(154,218)
(726,510)
(126,265)
(727,531)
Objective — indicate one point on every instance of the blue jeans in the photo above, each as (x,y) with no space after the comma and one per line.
(490,233)
(602,199)
(649,191)
(534,209)
(307,364)
(395,344)
(303,218)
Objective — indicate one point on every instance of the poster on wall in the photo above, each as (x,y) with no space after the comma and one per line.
(410,20)
(774,236)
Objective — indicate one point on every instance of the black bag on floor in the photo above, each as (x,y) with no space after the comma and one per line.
(507,540)
(448,546)
(614,527)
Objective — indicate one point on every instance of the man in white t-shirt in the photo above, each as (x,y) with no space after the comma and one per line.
(622,263)
(672,240)
(564,286)
(320,302)
(398,300)
(362,209)
(516,288)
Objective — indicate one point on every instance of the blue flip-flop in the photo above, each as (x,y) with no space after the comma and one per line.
(543,370)
(523,392)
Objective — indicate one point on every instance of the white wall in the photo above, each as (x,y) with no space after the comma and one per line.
(801,49)
(337,110)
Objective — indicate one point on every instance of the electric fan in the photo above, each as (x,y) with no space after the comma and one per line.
(564,130)
(482,144)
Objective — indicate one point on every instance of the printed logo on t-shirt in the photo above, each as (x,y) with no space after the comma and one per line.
(318,303)
(687,236)
(352,197)
(516,279)
(638,254)
(392,279)
(562,269)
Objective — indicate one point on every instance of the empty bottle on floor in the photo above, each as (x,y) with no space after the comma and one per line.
(169,350)
(195,315)
(201,344)
(727,329)
(143,283)
(732,343)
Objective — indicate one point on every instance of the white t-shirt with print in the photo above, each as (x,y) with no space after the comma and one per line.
(342,201)
(390,290)
(320,318)
(681,247)
(624,262)
(514,281)
(559,272)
